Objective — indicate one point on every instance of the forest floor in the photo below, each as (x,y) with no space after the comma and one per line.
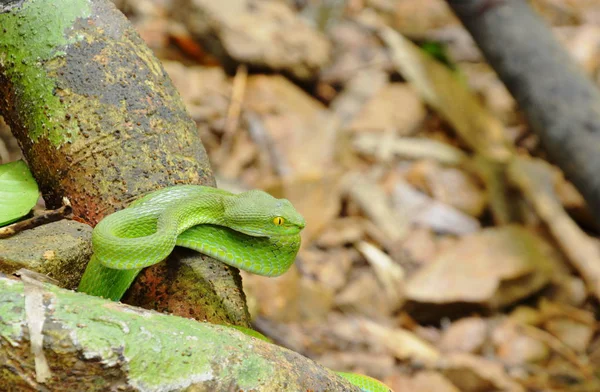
(442,252)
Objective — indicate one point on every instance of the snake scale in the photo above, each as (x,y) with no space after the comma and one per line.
(253,231)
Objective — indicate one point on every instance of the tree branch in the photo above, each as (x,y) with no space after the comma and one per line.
(96,345)
(560,103)
(100,123)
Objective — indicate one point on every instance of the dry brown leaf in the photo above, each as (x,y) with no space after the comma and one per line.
(422,210)
(205,91)
(493,268)
(390,274)
(363,295)
(573,326)
(495,96)
(465,335)
(502,203)
(292,121)
(273,298)
(536,180)
(342,231)
(559,347)
(450,186)
(473,374)
(551,310)
(420,245)
(446,93)
(402,343)
(424,381)
(516,348)
(378,207)
(387,145)
(241,154)
(381,112)
(568,289)
(418,17)
(265,34)
(315,300)
(330,268)
(356,49)
(359,90)
(574,334)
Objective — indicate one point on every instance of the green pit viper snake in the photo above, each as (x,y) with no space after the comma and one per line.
(252,231)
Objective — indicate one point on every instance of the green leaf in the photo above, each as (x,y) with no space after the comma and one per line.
(18,191)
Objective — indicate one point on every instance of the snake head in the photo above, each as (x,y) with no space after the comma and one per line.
(257,213)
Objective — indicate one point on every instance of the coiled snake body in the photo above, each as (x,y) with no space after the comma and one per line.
(252,231)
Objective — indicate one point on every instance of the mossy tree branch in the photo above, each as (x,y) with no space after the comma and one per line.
(100,123)
(54,339)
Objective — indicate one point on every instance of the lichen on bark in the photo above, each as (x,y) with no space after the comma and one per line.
(94,344)
(100,123)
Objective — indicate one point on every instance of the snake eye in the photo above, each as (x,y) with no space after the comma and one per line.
(278,220)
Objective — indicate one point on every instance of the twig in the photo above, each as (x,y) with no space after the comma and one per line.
(560,103)
(557,346)
(265,143)
(411,148)
(535,179)
(235,108)
(47,217)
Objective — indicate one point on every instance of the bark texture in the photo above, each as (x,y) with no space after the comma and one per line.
(100,122)
(560,103)
(54,339)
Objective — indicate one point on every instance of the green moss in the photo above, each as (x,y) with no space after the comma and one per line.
(30,36)
(160,352)
(11,314)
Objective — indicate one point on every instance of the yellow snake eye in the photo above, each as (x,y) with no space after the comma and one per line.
(278,220)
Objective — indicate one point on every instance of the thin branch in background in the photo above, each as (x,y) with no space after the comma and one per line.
(560,103)
(233,114)
(46,217)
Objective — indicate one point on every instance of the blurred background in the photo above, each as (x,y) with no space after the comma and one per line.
(427,262)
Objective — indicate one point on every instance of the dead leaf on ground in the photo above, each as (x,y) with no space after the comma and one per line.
(424,211)
(363,295)
(535,178)
(291,119)
(378,207)
(491,269)
(273,298)
(404,344)
(516,348)
(330,268)
(389,274)
(381,112)
(446,93)
(423,381)
(450,186)
(342,231)
(465,335)
(421,245)
(418,17)
(573,326)
(266,34)
(387,145)
(474,374)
